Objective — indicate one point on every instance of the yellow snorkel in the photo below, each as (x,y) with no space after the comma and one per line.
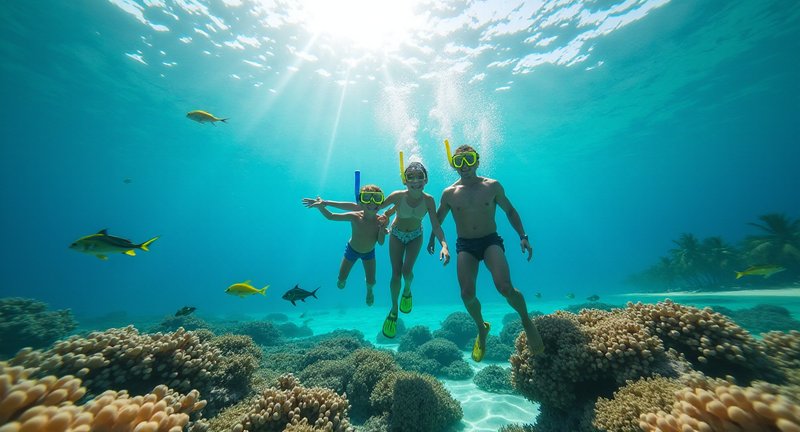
(402,169)
(449,155)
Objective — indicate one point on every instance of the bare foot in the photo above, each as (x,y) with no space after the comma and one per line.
(370,297)
(535,343)
(340,283)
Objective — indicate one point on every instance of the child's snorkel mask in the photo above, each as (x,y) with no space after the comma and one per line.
(366,197)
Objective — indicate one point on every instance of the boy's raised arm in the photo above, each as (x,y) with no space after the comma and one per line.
(333,216)
(316,202)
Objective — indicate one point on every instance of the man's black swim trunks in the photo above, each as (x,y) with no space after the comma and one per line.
(477,246)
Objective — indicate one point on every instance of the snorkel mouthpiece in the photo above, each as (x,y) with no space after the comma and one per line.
(449,155)
(402,169)
(358,183)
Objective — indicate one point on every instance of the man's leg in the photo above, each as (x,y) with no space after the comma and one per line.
(344,271)
(369,272)
(467,269)
(497,264)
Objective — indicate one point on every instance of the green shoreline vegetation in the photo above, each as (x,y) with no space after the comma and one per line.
(712,263)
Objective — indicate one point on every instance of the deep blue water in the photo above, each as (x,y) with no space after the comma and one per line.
(611,140)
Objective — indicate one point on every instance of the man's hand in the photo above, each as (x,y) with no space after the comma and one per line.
(311,202)
(444,255)
(526,246)
(431,246)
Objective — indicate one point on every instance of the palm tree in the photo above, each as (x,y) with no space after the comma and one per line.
(719,261)
(687,259)
(778,244)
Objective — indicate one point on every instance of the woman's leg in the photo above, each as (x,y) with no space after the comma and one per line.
(412,252)
(396,249)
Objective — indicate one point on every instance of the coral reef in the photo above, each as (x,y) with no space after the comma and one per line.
(711,341)
(784,350)
(442,351)
(761,318)
(415,402)
(413,361)
(458,370)
(594,351)
(262,332)
(48,404)
(27,323)
(497,350)
(621,413)
(290,405)
(124,357)
(458,328)
(292,330)
(588,357)
(368,366)
(576,308)
(333,349)
(414,338)
(188,322)
(727,407)
(494,379)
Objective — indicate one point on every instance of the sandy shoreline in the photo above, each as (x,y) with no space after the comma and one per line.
(775,292)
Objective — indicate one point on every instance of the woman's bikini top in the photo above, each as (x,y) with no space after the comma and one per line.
(405,211)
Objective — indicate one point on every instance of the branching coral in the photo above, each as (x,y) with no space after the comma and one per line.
(621,413)
(368,367)
(414,338)
(458,370)
(441,350)
(415,402)
(494,379)
(459,328)
(288,404)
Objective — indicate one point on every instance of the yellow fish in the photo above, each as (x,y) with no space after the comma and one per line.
(204,117)
(102,244)
(244,289)
(761,270)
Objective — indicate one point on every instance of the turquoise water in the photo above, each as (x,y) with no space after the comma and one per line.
(614,128)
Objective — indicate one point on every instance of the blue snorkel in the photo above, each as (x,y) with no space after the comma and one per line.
(358,184)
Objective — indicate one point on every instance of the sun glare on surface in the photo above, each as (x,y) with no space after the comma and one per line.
(370,24)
